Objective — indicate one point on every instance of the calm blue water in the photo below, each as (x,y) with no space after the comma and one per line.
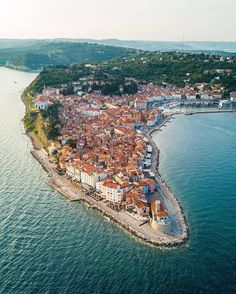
(48,245)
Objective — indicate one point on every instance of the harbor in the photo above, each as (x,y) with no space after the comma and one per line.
(170,114)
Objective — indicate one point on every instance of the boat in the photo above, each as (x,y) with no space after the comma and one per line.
(198,104)
(222,103)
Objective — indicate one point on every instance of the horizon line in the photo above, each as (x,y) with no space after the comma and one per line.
(113,39)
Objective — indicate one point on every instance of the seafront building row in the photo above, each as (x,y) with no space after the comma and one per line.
(146,95)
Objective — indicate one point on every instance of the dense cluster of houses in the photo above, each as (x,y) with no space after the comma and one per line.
(173,93)
(101,145)
(146,95)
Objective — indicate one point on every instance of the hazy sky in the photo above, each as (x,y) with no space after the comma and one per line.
(123,19)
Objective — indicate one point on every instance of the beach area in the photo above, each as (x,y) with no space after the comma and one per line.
(137,228)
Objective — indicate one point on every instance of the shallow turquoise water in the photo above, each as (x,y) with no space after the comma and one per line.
(48,245)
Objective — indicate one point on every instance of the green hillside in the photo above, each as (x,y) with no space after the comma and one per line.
(173,68)
(37,54)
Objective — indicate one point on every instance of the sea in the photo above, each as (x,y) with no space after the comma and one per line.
(51,245)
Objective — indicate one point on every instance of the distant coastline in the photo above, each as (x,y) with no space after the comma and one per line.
(23,69)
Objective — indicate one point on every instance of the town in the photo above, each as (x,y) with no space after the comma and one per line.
(104,144)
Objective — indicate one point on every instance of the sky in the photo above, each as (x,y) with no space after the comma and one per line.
(167,20)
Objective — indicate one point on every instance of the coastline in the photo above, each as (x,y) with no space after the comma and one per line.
(20,69)
(132,226)
(144,233)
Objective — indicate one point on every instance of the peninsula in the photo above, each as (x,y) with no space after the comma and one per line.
(92,133)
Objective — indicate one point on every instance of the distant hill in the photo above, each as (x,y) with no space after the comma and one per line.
(164,46)
(35,54)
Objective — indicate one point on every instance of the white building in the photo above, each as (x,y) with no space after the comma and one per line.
(90,175)
(41,103)
(205,96)
(73,171)
(156,99)
(233,97)
(160,220)
(111,190)
(177,96)
(140,104)
(50,91)
(149,148)
(91,112)
(191,97)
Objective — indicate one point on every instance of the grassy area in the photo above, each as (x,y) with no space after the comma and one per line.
(40,123)
(35,124)
(33,120)
(40,130)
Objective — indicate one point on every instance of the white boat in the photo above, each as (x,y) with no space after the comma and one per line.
(222,103)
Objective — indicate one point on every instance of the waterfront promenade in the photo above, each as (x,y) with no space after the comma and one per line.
(124,220)
(172,205)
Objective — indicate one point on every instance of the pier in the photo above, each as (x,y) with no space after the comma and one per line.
(169,116)
(206,111)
